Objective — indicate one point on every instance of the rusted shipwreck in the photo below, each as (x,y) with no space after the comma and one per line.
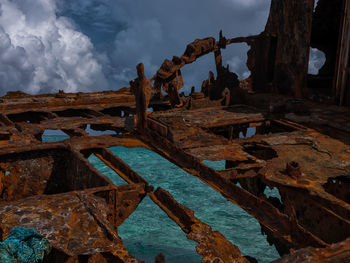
(301,146)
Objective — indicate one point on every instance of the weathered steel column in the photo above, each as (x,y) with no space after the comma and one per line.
(291,22)
(219,85)
(341,78)
(138,87)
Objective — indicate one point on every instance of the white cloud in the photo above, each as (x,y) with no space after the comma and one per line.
(40,52)
(316,60)
(48,45)
(234,63)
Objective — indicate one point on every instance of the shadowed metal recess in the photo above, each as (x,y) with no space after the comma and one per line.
(301,147)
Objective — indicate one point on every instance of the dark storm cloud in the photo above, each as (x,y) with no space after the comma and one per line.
(150,31)
(79,45)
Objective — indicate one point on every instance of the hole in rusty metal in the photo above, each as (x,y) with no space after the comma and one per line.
(30,117)
(53,136)
(245,131)
(339,187)
(49,171)
(97,130)
(250,132)
(5,136)
(77,113)
(118,111)
(260,152)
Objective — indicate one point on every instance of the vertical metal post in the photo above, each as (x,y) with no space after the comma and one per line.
(342,65)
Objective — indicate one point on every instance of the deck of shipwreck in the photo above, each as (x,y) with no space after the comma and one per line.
(79,209)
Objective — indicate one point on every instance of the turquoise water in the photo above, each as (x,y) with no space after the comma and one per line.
(149,231)
(54,138)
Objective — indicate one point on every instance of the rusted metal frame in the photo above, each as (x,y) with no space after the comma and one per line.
(85,197)
(76,143)
(243,124)
(86,143)
(119,166)
(288,124)
(242,39)
(20,147)
(75,132)
(5,120)
(218,64)
(322,209)
(60,123)
(96,214)
(216,245)
(94,107)
(157,125)
(235,129)
(123,254)
(54,102)
(139,88)
(341,77)
(236,122)
(174,210)
(178,213)
(334,205)
(338,252)
(244,170)
(216,49)
(115,195)
(86,162)
(269,216)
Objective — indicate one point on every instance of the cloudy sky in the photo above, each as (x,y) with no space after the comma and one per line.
(92,45)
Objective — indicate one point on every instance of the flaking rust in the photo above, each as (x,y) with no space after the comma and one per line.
(276,129)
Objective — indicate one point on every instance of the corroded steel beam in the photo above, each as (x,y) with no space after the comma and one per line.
(280,224)
(119,166)
(15,102)
(212,245)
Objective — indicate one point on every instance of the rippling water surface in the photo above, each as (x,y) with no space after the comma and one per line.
(149,231)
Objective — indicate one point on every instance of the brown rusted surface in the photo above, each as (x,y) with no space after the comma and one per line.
(53,188)
(291,22)
(187,137)
(335,253)
(20,102)
(66,220)
(141,87)
(211,244)
(279,223)
(46,171)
